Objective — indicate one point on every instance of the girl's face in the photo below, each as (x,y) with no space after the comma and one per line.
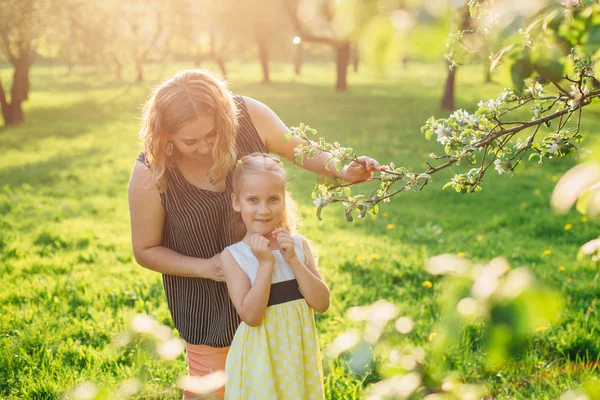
(196,139)
(261,202)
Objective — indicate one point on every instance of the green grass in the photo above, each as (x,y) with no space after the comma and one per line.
(69,280)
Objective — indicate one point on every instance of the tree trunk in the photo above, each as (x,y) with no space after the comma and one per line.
(119,70)
(215,54)
(13,111)
(139,69)
(221,64)
(465,23)
(486,70)
(405,62)
(355,58)
(20,86)
(342,58)
(448,98)
(4,106)
(118,67)
(263,55)
(198,58)
(298,59)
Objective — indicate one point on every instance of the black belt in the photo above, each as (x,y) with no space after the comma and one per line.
(282,292)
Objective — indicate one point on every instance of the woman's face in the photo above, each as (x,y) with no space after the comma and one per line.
(197,138)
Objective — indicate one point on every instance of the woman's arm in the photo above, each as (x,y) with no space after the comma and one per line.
(250,301)
(147,216)
(272,131)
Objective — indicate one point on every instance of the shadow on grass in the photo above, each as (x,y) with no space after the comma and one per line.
(61,122)
(45,173)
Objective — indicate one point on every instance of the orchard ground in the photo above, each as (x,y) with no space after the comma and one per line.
(70,283)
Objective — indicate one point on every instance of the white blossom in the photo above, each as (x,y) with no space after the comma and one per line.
(500,165)
(443,134)
(320,202)
(519,144)
(570,4)
(553,148)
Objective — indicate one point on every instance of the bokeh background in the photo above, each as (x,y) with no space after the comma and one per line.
(367,74)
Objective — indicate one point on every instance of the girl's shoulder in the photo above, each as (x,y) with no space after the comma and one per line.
(305,246)
(241,253)
(301,240)
(238,247)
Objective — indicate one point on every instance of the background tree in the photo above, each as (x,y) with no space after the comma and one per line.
(22,25)
(333,23)
(80,34)
(466,24)
(261,25)
(146,22)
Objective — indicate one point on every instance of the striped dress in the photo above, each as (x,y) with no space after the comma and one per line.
(198,224)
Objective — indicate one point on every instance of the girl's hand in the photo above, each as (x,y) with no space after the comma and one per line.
(286,244)
(360,172)
(260,248)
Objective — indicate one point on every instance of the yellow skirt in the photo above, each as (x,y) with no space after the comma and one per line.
(279,359)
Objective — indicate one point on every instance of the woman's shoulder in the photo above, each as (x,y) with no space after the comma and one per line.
(142,158)
(256,109)
(141,169)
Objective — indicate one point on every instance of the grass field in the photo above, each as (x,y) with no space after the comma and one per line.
(69,280)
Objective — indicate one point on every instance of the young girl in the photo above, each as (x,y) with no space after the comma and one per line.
(274,285)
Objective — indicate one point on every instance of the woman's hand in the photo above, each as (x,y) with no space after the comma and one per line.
(215,272)
(286,244)
(260,248)
(359,172)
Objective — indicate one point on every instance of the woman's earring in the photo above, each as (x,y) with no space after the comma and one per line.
(169,150)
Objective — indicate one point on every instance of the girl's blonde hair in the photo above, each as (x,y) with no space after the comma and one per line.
(262,163)
(178,101)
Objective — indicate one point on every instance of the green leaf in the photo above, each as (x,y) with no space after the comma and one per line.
(299,159)
(552,71)
(319,209)
(592,43)
(374,210)
(531,156)
(287,137)
(548,59)
(519,71)
(473,10)
(363,211)
(447,185)
(349,214)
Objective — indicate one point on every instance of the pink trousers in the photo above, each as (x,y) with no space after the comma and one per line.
(203,360)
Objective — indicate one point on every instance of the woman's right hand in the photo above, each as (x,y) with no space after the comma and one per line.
(260,248)
(215,272)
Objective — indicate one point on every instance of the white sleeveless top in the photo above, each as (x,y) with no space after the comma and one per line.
(282,271)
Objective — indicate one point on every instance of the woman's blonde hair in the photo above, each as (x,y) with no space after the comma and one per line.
(179,101)
(262,163)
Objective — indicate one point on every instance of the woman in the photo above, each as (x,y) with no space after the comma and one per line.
(193,132)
